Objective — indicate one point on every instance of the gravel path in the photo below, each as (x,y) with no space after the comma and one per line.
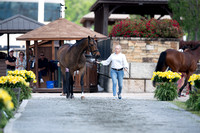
(102,114)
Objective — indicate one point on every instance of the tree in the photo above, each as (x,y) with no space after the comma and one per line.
(76,9)
(187,13)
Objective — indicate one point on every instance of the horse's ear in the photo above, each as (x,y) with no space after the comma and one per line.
(89,37)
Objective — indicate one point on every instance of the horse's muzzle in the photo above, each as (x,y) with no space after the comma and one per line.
(97,55)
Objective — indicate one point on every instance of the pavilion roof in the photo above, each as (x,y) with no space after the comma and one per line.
(60,29)
(18,24)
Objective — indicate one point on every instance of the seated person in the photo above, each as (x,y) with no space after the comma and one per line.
(31,59)
(42,67)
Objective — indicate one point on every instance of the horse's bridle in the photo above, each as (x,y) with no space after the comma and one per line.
(90,45)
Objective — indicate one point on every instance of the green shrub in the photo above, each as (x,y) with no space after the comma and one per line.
(166,91)
(193,103)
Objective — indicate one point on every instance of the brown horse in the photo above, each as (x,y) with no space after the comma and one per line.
(73,58)
(184,62)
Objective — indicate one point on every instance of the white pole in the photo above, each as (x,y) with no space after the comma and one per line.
(41,11)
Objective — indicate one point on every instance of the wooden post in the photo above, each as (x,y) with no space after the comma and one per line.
(61,42)
(36,61)
(53,50)
(53,57)
(101,20)
(8,43)
(27,55)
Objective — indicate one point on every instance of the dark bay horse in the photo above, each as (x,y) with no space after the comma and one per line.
(184,62)
(73,58)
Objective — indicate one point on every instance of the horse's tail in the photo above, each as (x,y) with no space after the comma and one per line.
(161,61)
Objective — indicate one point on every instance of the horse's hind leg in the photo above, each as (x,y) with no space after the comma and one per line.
(67,84)
(71,87)
(181,89)
(185,83)
(82,88)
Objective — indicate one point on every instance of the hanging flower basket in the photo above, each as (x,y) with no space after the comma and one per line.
(166,86)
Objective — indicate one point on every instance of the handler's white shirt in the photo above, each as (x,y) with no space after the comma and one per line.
(118,61)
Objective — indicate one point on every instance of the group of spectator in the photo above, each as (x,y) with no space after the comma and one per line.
(19,63)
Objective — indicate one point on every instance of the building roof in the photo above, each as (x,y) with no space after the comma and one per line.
(60,29)
(112,17)
(134,6)
(18,24)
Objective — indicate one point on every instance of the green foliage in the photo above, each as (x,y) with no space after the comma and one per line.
(5,119)
(187,13)
(193,103)
(76,9)
(166,91)
(25,93)
(183,106)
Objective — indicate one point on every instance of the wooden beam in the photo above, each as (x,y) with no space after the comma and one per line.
(36,61)
(27,55)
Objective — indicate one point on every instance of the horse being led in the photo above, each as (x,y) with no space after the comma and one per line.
(184,62)
(73,58)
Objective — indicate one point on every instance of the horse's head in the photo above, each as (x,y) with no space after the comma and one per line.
(93,47)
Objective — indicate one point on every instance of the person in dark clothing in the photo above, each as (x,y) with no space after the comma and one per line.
(42,67)
(10,61)
(66,79)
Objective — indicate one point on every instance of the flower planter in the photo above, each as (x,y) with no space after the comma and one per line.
(17,94)
(166,91)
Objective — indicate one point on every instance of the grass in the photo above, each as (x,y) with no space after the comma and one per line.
(183,106)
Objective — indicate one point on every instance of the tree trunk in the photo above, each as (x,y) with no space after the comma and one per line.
(196,34)
(188,37)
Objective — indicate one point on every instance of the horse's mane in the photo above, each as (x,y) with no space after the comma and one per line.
(195,47)
(79,41)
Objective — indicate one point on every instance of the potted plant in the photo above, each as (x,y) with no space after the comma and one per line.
(193,103)
(166,86)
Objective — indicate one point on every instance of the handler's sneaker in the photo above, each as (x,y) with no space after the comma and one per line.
(114,98)
(119,96)
(41,81)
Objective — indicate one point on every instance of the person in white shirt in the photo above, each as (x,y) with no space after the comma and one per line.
(118,65)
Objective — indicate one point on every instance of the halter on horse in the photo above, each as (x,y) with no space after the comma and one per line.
(185,62)
(73,58)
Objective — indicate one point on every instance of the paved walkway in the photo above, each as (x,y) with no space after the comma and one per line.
(99,113)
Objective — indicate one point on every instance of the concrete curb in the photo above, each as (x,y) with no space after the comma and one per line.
(9,125)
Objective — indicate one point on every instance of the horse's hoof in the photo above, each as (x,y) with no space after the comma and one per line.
(67,96)
(72,96)
(82,97)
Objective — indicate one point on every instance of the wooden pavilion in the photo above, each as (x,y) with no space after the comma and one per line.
(104,8)
(49,37)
